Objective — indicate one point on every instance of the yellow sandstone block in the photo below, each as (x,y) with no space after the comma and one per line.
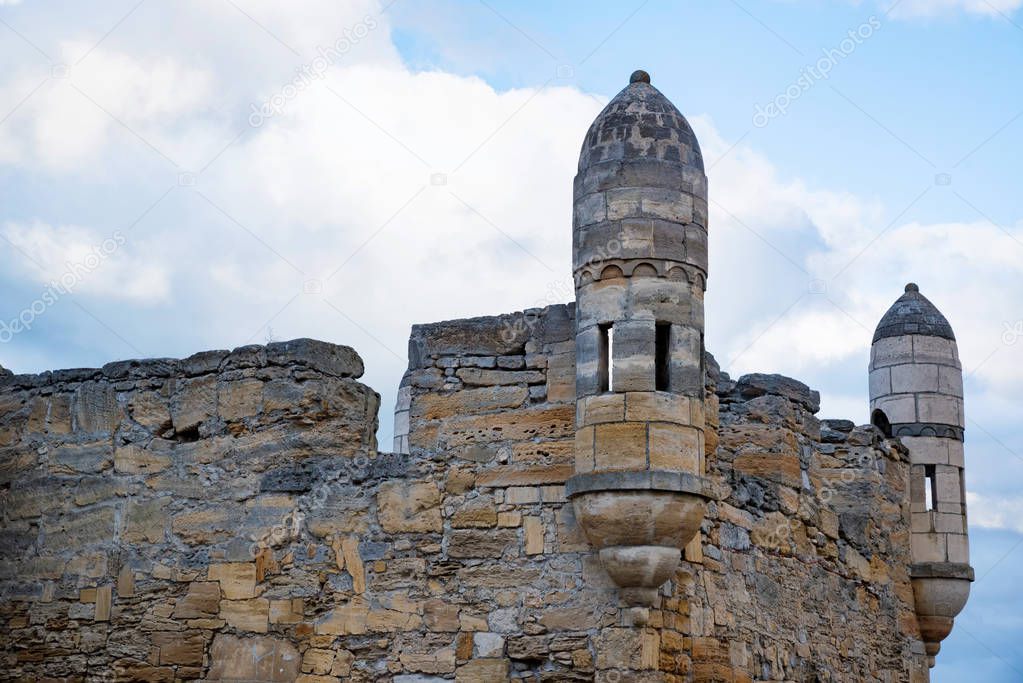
(621,446)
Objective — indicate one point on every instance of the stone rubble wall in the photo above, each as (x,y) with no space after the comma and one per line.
(803,573)
(228,517)
(492,410)
(159,516)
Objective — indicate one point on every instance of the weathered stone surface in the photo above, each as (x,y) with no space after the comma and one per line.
(751,386)
(479,512)
(486,378)
(179,648)
(341,510)
(484,670)
(287,611)
(150,409)
(246,615)
(95,408)
(195,402)
(913,314)
(330,359)
(145,521)
(87,457)
(239,399)
(347,619)
(494,336)
(525,476)
(205,525)
(134,459)
(258,658)
(104,601)
(81,529)
(533,531)
(778,467)
(470,401)
(530,423)
(131,670)
(349,548)
(441,661)
(202,601)
(409,507)
(480,543)
(237,579)
(440,616)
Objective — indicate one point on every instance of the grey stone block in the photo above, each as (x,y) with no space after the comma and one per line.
(331,359)
(757,384)
(203,362)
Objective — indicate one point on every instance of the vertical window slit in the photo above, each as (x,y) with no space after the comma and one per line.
(662,380)
(605,362)
(930,487)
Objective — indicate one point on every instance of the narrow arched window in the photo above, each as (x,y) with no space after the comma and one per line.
(880,420)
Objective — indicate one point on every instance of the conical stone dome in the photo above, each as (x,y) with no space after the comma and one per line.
(640,123)
(913,313)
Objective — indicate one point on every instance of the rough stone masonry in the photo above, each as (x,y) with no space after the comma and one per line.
(575,493)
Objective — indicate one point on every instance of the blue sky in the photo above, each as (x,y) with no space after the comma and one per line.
(131,125)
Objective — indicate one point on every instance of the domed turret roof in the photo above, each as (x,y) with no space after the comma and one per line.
(640,123)
(913,313)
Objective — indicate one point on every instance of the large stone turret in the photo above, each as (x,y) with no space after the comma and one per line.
(916,393)
(640,266)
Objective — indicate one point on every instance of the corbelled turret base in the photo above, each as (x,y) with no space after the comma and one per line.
(639,522)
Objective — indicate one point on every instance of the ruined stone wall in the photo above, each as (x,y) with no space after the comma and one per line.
(228,517)
(160,516)
(802,569)
(803,573)
(492,409)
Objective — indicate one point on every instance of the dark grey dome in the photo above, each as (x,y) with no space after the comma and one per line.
(640,123)
(913,313)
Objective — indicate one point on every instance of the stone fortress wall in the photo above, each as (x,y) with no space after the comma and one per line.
(575,493)
(229,517)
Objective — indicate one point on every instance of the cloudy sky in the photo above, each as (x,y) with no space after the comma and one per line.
(177,176)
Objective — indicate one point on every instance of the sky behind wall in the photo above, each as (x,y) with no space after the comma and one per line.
(206,174)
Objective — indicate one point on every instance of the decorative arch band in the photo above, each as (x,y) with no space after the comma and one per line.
(928,429)
(606,269)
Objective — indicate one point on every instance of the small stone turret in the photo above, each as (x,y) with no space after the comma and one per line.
(640,267)
(916,393)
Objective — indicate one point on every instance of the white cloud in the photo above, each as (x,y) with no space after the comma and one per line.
(81,260)
(922,9)
(994,512)
(800,276)
(67,123)
(930,8)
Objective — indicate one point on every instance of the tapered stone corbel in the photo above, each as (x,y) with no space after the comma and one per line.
(940,590)
(639,522)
